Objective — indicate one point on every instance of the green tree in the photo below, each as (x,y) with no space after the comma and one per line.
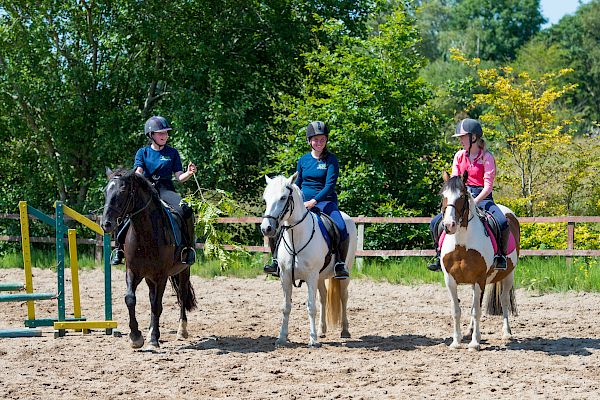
(578,35)
(369,92)
(520,115)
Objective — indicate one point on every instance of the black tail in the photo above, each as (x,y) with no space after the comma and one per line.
(185,292)
(494,306)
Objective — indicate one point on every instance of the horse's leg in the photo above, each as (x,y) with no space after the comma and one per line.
(507,284)
(344,297)
(183,287)
(311,305)
(156,291)
(135,336)
(286,285)
(452,291)
(476,318)
(323,298)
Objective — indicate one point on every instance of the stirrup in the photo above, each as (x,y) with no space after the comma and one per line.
(117,256)
(500,263)
(190,255)
(272,269)
(340,270)
(435,265)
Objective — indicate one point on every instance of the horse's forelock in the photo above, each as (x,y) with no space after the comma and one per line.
(454,184)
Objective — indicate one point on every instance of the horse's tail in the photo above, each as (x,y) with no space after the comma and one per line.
(494,305)
(334,302)
(186,296)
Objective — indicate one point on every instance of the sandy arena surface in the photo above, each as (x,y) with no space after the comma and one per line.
(399,347)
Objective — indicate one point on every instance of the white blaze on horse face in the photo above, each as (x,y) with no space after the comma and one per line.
(275,190)
(450,219)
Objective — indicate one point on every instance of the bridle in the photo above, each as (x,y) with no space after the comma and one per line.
(464,208)
(126,212)
(289,206)
(291,248)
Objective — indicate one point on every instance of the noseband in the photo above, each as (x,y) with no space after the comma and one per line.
(464,208)
(129,203)
(289,206)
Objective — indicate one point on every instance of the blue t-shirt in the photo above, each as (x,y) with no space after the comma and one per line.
(317,178)
(163,163)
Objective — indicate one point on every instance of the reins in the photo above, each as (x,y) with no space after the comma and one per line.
(291,249)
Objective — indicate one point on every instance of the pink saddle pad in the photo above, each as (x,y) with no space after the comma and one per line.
(512,244)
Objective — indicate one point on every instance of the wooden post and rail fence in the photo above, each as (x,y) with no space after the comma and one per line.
(570,251)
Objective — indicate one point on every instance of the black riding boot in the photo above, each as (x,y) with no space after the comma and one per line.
(188,253)
(118,255)
(341,272)
(500,258)
(435,264)
(272,268)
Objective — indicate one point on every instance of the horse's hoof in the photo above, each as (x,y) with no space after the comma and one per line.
(314,345)
(281,343)
(507,336)
(136,342)
(474,347)
(182,332)
(322,335)
(152,347)
(345,335)
(454,345)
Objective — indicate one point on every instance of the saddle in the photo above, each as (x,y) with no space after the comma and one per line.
(492,230)
(176,222)
(330,233)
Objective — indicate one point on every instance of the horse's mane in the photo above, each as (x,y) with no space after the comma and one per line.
(141,181)
(455,183)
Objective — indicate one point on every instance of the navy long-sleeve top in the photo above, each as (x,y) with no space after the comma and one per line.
(317,178)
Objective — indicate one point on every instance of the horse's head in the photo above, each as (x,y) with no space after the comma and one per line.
(119,201)
(455,202)
(279,200)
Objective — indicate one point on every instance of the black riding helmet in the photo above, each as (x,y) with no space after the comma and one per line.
(156,123)
(317,128)
(470,127)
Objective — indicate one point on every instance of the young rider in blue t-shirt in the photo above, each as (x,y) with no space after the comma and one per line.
(158,163)
(318,171)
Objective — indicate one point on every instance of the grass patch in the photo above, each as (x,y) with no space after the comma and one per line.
(536,274)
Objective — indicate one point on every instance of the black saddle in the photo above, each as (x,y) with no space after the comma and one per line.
(330,227)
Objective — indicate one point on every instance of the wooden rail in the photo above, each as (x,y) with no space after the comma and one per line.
(570,251)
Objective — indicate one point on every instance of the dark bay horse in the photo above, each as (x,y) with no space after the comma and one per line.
(150,251)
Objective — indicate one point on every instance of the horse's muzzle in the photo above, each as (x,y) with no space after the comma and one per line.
(106,225)
(267,228)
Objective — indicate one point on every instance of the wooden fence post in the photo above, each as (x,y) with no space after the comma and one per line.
(360,243)
(570,241)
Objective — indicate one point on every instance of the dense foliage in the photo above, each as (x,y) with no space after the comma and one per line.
(240,79)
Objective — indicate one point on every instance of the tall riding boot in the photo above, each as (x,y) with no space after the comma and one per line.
(341,272)
(435,264)
(272,268)
(188,253)
(500,258)
(118,254)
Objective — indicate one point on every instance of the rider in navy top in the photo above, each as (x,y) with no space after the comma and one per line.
(318,172)
(158,163)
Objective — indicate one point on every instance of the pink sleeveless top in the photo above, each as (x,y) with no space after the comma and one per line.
(482,170)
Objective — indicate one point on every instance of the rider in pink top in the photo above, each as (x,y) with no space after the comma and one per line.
(481,168)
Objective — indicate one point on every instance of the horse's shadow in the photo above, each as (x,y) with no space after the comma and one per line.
(564,346)
(389,343)
(238,344)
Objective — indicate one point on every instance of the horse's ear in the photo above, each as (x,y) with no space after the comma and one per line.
(445,176)
(465,175)
(267,179)
(293,177)
(108,172)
